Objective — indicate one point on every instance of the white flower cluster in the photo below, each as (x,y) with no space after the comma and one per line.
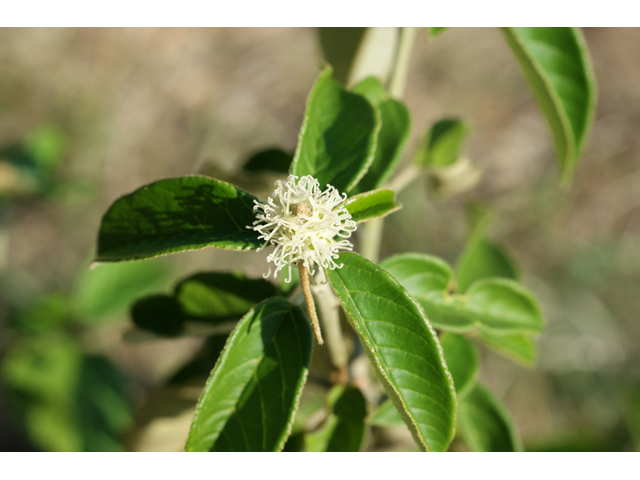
(304,225)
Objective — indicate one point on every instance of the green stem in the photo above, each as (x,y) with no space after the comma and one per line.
(372,231)
(398,79)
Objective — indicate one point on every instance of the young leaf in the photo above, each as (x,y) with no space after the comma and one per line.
(442,145)
(504,305)
(485,424)
(271,160)
(402,345)
(344,428)
(250,399)
(338,135)
(394,132)
(462,361)
(174,215)
(556,63)
(516,346)
(386,415)
(482,259)
(496,304)
(371,205)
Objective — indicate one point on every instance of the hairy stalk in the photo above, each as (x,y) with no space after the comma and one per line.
(372,231)
(328,304)
(308,301)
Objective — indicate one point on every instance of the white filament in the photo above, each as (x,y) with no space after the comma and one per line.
(312,234)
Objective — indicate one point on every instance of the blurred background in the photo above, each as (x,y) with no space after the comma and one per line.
(87,115)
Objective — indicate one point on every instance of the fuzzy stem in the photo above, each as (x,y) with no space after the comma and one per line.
(308,301)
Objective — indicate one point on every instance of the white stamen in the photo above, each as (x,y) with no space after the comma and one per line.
(302,222)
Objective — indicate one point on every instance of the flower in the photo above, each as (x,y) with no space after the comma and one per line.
(304,223)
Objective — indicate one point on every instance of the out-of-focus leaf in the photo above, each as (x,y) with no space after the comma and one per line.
(371,205)
(174,215)
(221,295)
(494,304)
(462,361)
(517,346)
(47,312)
(402,345)
(338,135)
(442,145)
(69,401)
(160,314)
(394,132)
(211,298)
(556,63)
(482,259)
(110,289)
(344,428)
(503,305)
(270,160)
(436,31)
(386,415)
(250,399)
(340,45)
(485,424)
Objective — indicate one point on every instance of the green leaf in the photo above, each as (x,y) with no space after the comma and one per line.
(517,346)
(504,305)
(271,160)
(371,205)
(67,400)
(393,135)
(495,304)
(109,289)
(211,298)
(442,145)
(435,31)
(402,345)
(482,259)
(338,136)
(160,314)
(250,399)
(556,63)
(344,428)
(485,424)
(340,46)
(462,360)
(386,415)
(428,279)
(174,215)
(217,296)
